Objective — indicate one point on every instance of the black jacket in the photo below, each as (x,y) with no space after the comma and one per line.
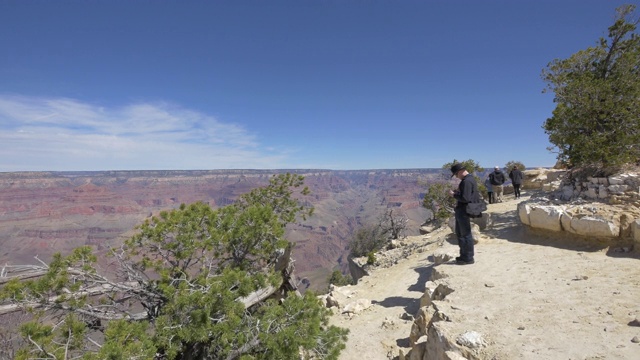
(467,191)
(497,177)
(516,176)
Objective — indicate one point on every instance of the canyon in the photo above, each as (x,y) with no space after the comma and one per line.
(43,213)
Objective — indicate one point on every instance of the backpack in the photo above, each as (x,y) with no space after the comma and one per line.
(492,178)
(496,181)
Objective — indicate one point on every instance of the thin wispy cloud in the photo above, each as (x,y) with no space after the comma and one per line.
(58,134)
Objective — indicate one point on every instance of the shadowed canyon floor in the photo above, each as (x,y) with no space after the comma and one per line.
(530,295)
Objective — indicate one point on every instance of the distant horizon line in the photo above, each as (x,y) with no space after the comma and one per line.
(298,170)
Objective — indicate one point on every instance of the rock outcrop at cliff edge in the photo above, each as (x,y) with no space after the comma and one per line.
(606,208)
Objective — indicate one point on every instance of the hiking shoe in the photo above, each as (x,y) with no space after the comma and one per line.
(463,262)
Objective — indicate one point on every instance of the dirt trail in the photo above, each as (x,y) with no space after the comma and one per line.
(530,295)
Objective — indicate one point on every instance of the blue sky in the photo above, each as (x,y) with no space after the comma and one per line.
(142,85)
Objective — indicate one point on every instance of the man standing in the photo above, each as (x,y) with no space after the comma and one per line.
(516,177)
(467,192)
(497,179)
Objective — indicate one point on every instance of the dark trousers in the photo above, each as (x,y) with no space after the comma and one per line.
(490,195)
(463,232)
(516,190)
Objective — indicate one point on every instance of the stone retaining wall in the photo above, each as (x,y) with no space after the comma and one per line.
(603,208)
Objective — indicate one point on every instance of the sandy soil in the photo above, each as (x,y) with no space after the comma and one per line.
(530,295)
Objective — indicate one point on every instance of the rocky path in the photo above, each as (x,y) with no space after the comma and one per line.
(529,295)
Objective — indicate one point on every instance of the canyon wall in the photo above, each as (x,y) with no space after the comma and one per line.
(42,213)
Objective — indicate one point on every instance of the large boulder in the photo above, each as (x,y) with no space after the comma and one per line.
(546,217)
(542,179)
(591,221)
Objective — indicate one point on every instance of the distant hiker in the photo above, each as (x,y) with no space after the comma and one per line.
(488,185)
(516,177)
(467,192)
(497,179)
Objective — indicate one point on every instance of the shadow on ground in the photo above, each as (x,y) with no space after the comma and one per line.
(409,305)
(424,274)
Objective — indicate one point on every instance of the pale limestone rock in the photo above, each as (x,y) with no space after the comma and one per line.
(546,179)
(425,299)
(357,306)
(523,213)
(616,180)
(342,291)
(439,340)
(593,226)
(551,186)
(635,230)
(471,339)
(420,324)
(598,180)
(596,220)
(546,217)
(534,178)
(603,192)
